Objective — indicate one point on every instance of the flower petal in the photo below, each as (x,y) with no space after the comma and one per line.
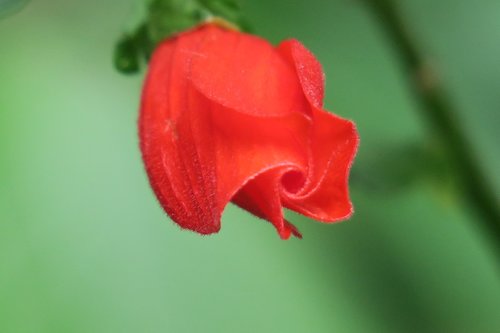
(261,197)
(178,160)
(308,69)
(224,116)
(199,153)
(334,143)
(245,73)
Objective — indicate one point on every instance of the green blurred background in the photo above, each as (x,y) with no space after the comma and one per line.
(85,247)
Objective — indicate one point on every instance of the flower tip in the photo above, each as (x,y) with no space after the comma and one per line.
(297,234)
(289,230)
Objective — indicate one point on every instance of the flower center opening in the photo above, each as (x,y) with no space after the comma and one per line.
(292,181)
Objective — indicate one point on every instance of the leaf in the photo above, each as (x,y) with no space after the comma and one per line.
(165,18)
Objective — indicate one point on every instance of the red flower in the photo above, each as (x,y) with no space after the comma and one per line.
(225,116)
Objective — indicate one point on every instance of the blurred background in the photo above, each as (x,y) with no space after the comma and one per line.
(85,247)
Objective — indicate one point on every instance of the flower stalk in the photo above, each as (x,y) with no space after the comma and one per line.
(440,114)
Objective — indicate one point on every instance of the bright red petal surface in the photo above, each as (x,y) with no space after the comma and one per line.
(334,143)
(224,116)
(245,73)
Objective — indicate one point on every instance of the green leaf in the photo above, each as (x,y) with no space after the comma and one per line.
(165,18)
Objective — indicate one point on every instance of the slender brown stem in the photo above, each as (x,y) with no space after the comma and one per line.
(439,112)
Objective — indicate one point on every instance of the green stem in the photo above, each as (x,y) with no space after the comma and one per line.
(440,114)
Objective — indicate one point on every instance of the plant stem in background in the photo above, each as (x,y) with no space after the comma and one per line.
(439,112)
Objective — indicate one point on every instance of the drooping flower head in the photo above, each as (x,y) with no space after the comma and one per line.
(225,116)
